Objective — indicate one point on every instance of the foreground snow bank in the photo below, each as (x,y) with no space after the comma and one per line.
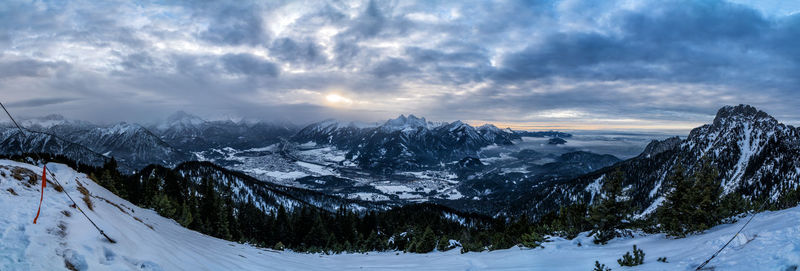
(146,241)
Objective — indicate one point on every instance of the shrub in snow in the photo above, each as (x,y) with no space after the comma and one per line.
(600,267)
(445,244)
(531,240)
(636,259)
(279,246)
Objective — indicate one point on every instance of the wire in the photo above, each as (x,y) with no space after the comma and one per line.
(53,176)
(731,240)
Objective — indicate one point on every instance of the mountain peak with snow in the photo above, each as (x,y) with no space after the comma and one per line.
(738,113)
(46,122)
(181,119)
(402,123)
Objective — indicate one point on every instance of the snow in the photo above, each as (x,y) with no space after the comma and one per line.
(406,124)
(650,209)
(309,144)
(280,175)
(595,187)
(321,170)
(393,189)
(367,196)
(746,147)
(771,242)
(270,148)
(326,154)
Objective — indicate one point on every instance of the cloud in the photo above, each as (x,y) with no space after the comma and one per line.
(248,65)
(40,102)
(291,51)
(232,23)
(29,68)
(391,67)
(478,60)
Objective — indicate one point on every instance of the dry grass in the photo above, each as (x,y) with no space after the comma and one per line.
(112,204)
(24,174)
(11,190)
(140,221)
(66,213)
(69,265)
(87,197)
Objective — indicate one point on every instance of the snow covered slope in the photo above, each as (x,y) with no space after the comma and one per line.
(146,241)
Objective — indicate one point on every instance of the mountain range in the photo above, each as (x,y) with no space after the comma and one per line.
(757,157)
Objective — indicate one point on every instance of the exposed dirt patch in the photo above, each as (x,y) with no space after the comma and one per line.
(66,213)
(11,190)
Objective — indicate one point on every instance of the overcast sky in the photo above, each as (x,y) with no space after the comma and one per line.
(527,64)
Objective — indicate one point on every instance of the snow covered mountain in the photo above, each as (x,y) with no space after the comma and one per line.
(132,145)
(756,156)
(64,240)
(190,133)
(405,142)
(243,188)
(41,142)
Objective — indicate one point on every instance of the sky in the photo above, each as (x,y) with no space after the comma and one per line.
(535,65)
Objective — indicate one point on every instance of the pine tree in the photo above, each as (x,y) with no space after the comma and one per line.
(694,203)
(318,235)
(163,206)
(607,216)
(444,244)
(185,216)
(427,242)
(282,229)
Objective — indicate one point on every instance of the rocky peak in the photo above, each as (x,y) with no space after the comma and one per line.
(181,117)
(656,146)
(402,122)
(740,112)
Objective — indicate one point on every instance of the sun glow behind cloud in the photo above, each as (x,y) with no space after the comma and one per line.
(338,99)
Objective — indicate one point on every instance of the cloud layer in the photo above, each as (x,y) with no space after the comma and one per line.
(536,64)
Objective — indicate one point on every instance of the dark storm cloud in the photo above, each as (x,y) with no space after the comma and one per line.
(690,41)
(289,50)
(29,68)
(249,65)
(40,102)
(499,60)
(392,67)
(233,23)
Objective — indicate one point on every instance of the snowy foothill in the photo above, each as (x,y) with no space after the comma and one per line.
(146,241)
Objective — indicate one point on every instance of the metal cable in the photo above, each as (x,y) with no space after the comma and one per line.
(53,176)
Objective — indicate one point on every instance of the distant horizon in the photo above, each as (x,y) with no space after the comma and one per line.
(677,130)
